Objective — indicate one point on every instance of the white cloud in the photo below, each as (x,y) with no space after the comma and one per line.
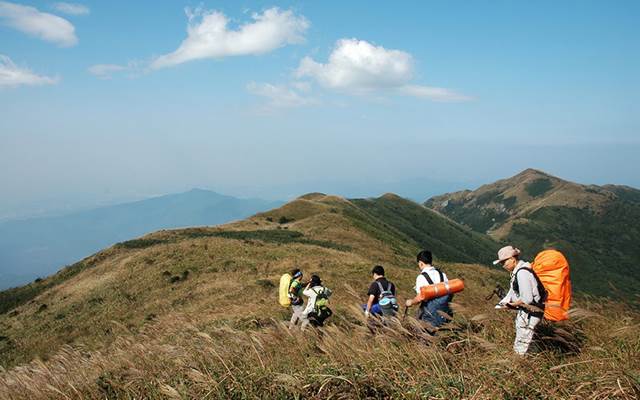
(279,96)
(106,71)
(71,8)
(433,93)
(208,36)
(302,86)
(43,25)
(12,75)
(359,67)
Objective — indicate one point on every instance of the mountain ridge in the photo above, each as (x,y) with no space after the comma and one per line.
(192,313)
(329,229)
(595,225)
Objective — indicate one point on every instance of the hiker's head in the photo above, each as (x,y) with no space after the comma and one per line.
(296,274)
(377,271)
(508,257)
(424,258)
(315,281)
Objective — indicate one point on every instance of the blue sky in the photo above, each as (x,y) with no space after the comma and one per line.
(116,100)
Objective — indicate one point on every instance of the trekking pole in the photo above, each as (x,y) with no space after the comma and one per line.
(406,309)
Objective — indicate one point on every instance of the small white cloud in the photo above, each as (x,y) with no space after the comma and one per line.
(433,93)
(208,36)
(11,75)
(45,26)
(302,86)
(106,71)
(359,67)
(71,8)
(279,96)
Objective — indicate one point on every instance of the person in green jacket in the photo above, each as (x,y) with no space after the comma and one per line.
(295,295)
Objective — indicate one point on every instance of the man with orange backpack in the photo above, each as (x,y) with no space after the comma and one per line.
(526,294)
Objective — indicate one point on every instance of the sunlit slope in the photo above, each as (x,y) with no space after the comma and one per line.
(227,271)
(192,313)
(597,227)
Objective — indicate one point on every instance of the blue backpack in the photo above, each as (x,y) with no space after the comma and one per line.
(387,301)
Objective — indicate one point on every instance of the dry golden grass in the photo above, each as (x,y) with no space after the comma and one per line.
(182,356)
(122,329)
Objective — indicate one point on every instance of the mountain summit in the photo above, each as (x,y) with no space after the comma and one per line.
(597,226)
(193,313)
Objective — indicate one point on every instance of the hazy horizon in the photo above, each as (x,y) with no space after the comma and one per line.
(102,103)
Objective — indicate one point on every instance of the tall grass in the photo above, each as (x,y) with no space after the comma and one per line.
(180,357)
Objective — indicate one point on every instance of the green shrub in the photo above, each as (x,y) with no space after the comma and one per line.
(285,220)
(139,243)
(539,187)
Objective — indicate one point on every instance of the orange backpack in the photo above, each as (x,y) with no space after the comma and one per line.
(552,269)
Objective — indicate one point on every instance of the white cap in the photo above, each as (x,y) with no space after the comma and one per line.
(506,253)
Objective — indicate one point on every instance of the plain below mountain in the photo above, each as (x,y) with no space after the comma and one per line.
(38,247)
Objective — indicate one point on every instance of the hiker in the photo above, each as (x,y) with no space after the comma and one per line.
(295,296)
(430,310)
(317,310)
(382,295)
(524,295)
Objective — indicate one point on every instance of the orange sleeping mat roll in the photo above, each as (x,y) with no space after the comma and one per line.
(441,289)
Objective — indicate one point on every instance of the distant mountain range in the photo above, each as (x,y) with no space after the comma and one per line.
(173,303)
(598,227)
(38,247)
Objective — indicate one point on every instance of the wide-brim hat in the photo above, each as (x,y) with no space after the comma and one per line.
(506,253)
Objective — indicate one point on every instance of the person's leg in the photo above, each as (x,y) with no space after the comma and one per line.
(375,309)
(427,313)
(430,311)
(441,306)
(296,316)
(525,326)
(305,322)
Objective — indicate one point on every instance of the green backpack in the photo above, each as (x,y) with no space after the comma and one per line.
(321,310)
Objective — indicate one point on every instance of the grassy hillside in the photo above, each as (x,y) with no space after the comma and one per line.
(192,313)
(596,227)
(450,241)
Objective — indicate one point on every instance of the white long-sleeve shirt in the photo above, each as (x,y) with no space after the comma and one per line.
(312,293)
(433,274)
(527,285)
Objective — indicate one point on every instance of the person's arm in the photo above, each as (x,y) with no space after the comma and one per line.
(420,282)
(506,299)
(526,283)
(293,289)
(369,305)
(311,302)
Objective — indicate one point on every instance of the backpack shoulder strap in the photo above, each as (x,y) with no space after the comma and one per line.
(380,287)
(542,291)
(441,275)
(427,277)
(516,285)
